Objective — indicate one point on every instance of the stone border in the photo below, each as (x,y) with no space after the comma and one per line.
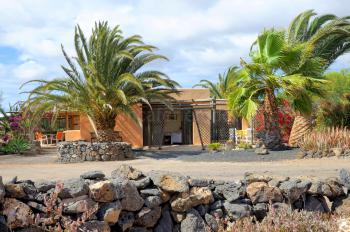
(162,201)
(79,151)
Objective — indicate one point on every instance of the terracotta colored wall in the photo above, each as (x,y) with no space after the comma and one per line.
(72,135)
(131,131)
(245,124)
(85,128)
(189,94)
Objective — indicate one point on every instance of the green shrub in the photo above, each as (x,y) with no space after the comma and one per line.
(334,114)
(15,146)
(244,145)
(214,146)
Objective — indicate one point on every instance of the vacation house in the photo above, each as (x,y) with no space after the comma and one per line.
(195,119)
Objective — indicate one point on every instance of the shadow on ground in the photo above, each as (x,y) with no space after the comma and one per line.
(195,154)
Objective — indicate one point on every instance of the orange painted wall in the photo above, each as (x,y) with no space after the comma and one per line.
(245,124)
(85,128)
(130,130)
(72,135)
(189,94)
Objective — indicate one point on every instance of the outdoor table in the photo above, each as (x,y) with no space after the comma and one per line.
(50,138)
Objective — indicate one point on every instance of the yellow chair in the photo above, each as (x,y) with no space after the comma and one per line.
(243,135)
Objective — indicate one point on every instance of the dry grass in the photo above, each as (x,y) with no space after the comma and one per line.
(285,220)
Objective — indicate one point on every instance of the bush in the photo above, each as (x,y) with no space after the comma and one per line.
(286,220)
(326,139)
(286,117)
(244,145)
(214,146)
(15,146)
(334,114)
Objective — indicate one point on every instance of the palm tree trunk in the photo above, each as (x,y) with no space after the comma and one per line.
(272,139)
(105,130)
(301,127)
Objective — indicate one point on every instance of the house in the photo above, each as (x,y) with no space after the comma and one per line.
(195,119)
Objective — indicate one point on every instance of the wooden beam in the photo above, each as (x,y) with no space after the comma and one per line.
(67,123)
(197,124)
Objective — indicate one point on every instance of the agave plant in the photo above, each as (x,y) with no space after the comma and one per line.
(106,78)
(326,139)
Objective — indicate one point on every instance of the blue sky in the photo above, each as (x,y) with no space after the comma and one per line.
(201,38)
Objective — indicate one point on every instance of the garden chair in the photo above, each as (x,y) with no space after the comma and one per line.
(249,135)
(41,138)
(58,137)
(240,135)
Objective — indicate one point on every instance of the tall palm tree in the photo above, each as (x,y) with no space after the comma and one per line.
(325,36)
(267,75)
(107,77)
(221,89)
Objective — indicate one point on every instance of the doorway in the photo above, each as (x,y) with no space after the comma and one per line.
(162,126)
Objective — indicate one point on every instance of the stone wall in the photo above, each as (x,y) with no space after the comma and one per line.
(70,152)
(129,200)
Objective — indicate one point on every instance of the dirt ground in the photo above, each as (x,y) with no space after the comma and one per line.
(45,167)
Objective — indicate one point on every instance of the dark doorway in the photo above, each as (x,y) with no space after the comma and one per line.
(162,126)
(187,126)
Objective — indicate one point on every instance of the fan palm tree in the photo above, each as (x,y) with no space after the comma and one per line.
(221,89)
(268,75)
(325,36)
(104,79)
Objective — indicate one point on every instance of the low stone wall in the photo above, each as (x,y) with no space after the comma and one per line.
(129,200)
(70,152)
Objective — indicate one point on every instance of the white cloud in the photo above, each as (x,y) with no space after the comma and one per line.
(29,70)
(201,38)
(2,70)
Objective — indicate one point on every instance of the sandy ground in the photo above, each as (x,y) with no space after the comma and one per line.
(46,167)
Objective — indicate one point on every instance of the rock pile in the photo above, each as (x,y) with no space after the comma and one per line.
(335,152)
(79,151)
(160,201)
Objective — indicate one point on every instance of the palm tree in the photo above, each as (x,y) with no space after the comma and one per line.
(109,80)
(221,89)
(267,76)
(325,36)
